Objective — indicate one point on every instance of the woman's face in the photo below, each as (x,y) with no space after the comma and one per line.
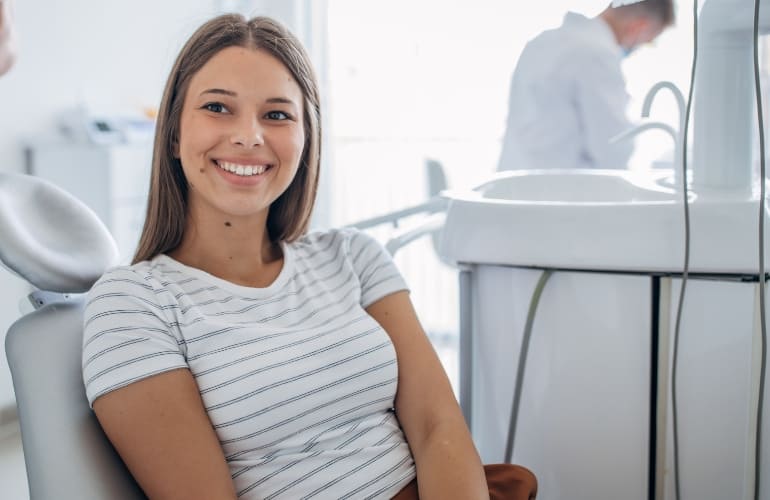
(241,135)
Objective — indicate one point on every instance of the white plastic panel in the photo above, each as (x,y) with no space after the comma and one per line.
(713,391)
(584,420)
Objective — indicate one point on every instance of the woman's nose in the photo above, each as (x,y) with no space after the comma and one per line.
(247,133)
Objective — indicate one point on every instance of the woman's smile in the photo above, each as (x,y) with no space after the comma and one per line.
(243,173)
(241,169)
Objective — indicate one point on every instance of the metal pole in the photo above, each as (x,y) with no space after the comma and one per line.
(466,345)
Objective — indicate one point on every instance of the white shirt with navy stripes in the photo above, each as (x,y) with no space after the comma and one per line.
(297,379)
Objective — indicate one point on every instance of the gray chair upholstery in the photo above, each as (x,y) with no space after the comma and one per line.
(67,455)
(57,244)
(50,238)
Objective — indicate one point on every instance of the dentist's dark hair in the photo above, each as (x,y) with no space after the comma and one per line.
(167,213)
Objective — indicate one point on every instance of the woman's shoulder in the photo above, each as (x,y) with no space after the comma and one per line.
(146,275)
(347,239)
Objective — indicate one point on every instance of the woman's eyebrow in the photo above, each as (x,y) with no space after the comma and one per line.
(274,100)
(281,100)
(220,91)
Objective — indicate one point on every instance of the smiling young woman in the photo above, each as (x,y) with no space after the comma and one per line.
(241,138)
(239,355)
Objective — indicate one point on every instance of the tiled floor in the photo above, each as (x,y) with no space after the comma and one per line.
(13,476)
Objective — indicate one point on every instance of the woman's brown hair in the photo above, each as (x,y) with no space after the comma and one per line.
(289,215)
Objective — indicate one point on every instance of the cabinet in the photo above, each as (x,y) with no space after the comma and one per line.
(583,425)
(595,418)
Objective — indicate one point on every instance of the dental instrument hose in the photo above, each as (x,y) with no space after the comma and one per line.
(686,266)
(763,320)
(523,353)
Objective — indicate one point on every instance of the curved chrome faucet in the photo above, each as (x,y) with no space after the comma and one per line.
(680,101)
(676,135)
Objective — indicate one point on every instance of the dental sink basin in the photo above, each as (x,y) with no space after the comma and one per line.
(575,186)
(599,220)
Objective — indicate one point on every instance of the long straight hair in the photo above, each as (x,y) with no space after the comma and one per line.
(289,215)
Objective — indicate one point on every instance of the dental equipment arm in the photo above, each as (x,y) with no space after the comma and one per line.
(434,211)
(435,204)
(401,238)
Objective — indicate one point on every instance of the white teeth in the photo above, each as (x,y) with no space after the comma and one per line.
(242,170)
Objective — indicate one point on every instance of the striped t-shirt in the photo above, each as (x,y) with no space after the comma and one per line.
(298,380)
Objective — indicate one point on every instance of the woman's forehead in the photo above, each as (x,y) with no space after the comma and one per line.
(242,69)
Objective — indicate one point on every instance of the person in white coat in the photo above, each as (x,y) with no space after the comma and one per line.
(7,53)
(568,95)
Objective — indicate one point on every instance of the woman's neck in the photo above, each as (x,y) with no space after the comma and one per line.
(238,250)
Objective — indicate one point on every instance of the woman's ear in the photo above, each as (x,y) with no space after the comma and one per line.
(175,148)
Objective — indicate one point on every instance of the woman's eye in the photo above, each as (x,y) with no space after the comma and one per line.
(215,107)
(277,115)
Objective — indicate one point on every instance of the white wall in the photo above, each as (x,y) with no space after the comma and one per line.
(109,53)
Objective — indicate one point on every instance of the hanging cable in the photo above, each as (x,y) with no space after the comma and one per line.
(523,353)
(686,267)
(763,321)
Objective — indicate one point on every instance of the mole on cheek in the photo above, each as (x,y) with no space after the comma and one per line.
(202,170)
(228,224)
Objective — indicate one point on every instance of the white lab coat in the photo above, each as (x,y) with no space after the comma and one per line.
(567,99)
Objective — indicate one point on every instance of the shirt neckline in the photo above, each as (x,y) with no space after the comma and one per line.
(253,292)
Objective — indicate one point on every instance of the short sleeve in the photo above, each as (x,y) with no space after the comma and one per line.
(374,267)
(126,334)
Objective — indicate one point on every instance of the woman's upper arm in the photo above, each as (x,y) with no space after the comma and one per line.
(424,394)
(424,399)
(144,395)
(161,430)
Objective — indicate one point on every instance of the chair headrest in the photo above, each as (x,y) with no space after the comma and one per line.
(50,238)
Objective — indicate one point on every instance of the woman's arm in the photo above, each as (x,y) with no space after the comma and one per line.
(448,465)
(162,432)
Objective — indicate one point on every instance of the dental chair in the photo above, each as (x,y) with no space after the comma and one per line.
(60,247)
